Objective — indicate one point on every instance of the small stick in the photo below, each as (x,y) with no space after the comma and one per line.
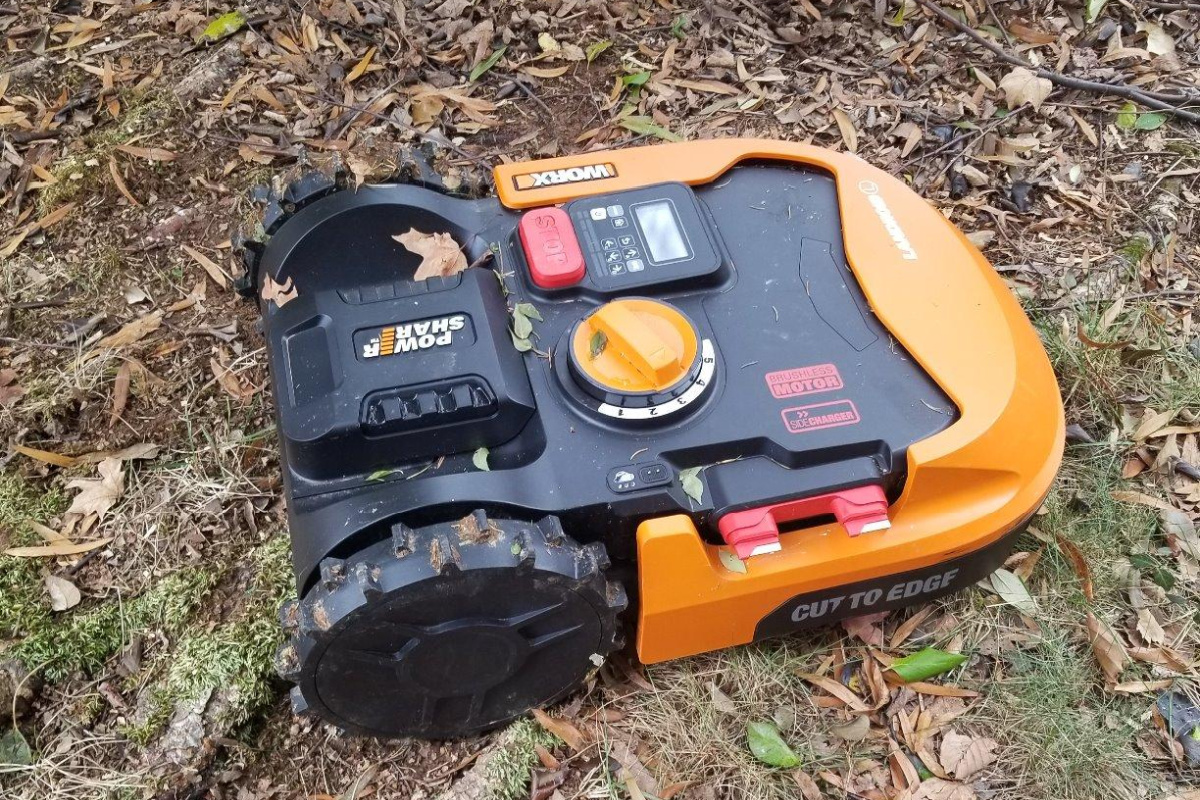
(1115,89)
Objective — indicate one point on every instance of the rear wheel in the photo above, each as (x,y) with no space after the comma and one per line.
(450,629)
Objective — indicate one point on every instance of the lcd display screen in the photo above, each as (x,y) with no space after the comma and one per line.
(660,227)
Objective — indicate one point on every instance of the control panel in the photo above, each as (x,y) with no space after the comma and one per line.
(650,235)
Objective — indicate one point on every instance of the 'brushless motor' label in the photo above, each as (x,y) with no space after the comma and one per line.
(418,336)
(820,415)
(804,380)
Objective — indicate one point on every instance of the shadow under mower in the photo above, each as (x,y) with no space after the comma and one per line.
(757,386)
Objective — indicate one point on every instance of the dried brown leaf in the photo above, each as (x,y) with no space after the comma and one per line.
(148,153)
(938,789)
(564,730)
(57,459)
(132,332)
(836,689)
(963,756)
(120,392)
(98,495)
(846,128)
(1108,649)
(440,254)
(1078,563)
(211,267)
(64,548)
(808,787)
(63,593)
(1022,86)
(115,171)
(279,293)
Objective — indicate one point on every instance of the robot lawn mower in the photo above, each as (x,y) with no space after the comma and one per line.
(711,392)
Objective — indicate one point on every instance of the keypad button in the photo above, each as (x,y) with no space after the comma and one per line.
(632,252)
(635,265)
(616,211)
(598,214)
(619,222)
(610,244)
(616,269)
(625,241)
(612,256)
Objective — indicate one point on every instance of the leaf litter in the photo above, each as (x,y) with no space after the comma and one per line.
(966,128)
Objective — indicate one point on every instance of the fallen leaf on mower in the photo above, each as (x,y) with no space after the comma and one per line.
(440,254)
(280,293)
(98,495)
(963,756)
(63,593)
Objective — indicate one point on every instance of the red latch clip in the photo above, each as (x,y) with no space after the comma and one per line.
(755,531)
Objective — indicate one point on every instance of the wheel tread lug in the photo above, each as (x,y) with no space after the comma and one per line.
(403,540)
(333,573)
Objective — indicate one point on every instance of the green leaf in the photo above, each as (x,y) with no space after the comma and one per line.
(1094,7)
(596,48)
(636,79)
(647,127)
(529,310)
(597,344)
(693,487)
(926,664)
(522,345)
(522,327)
(1150,121)
(1127,117)
(14,750)
(480,459)
(489,62)
(1195,734)
(730,561)
(679,26)
(769,747)
(1157,573)
(515,549)
(1012,591)
(223,26)
(379,474)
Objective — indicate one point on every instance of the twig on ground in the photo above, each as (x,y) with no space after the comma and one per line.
(1066,81)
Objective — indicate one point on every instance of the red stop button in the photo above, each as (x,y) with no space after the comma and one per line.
(551,248)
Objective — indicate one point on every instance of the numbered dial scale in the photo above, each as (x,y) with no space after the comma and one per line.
(639,359)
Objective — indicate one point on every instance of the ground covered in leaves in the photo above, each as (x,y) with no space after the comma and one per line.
(140,514)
